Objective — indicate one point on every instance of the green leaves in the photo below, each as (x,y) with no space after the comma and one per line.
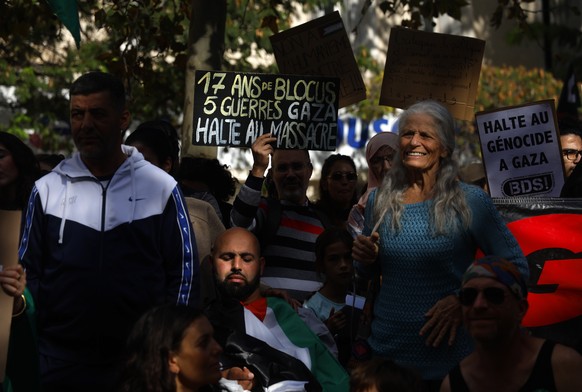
(422,11)
(146,42)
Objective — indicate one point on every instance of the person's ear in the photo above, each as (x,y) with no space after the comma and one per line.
(166,165)
(125,119)
(444,153)
(173,364)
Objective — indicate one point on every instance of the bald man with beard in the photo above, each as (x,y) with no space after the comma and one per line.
(266,344)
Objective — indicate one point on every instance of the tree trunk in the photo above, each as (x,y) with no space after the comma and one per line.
(205,51)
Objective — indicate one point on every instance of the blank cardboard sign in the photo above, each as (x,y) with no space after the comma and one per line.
(321,47)
(442,67)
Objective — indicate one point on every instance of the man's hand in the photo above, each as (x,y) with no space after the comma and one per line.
(280,293)
(365,249)
(336,321)
(13,282)
(261,150)
(444,317)
(244,377)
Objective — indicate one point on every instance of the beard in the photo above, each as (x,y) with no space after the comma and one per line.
(291,189)
(293,196)
(237,291)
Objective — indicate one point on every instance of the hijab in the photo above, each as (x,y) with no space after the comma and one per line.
(374,144)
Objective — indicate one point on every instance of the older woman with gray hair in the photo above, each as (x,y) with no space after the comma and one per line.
(424,227)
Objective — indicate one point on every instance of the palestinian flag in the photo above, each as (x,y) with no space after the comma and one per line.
(67,12)
(549,232)
(270,339)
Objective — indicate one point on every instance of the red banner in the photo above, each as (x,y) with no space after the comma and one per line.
(549,231)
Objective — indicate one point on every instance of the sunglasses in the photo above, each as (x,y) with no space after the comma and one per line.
(494,295)
(338,176)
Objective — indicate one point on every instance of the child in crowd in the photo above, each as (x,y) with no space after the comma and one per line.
(379,374)
(333,252)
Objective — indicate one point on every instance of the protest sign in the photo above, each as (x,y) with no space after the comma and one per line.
(521,150)
(9,232)
(233,109)
(442,67)
(321,47)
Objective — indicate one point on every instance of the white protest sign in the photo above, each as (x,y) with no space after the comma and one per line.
(521,150)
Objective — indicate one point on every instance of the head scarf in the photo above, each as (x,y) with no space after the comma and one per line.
(501,270)
(374,144)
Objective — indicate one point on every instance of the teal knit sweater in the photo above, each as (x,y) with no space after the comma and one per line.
(418,269)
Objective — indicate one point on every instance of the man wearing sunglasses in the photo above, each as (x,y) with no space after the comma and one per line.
(506,357)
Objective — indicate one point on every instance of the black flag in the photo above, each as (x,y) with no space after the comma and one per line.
(569,97)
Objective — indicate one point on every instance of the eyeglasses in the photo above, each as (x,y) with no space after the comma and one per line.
(379,160)
(338,176)
(571,154)
(494,295)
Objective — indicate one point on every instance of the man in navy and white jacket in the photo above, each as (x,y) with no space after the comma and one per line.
(107,236)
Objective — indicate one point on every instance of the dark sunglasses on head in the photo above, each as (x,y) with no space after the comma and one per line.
(338,176)
(494,295)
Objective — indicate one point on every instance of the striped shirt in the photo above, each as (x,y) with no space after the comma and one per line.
(290,251)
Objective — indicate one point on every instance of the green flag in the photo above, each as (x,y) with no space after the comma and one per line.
(68,13)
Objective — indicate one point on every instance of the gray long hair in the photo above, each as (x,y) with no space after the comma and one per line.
(449,206)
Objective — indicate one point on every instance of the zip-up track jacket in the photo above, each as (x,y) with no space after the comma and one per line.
(99,254)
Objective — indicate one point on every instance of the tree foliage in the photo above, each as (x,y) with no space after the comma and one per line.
(422,11)
(146,42)
(551,32)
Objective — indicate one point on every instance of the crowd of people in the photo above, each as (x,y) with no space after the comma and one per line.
(136,273)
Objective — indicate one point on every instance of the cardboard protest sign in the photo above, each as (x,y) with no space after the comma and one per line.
(442,67)
(9,232)
(321,47)
(233,109)
(521,150)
